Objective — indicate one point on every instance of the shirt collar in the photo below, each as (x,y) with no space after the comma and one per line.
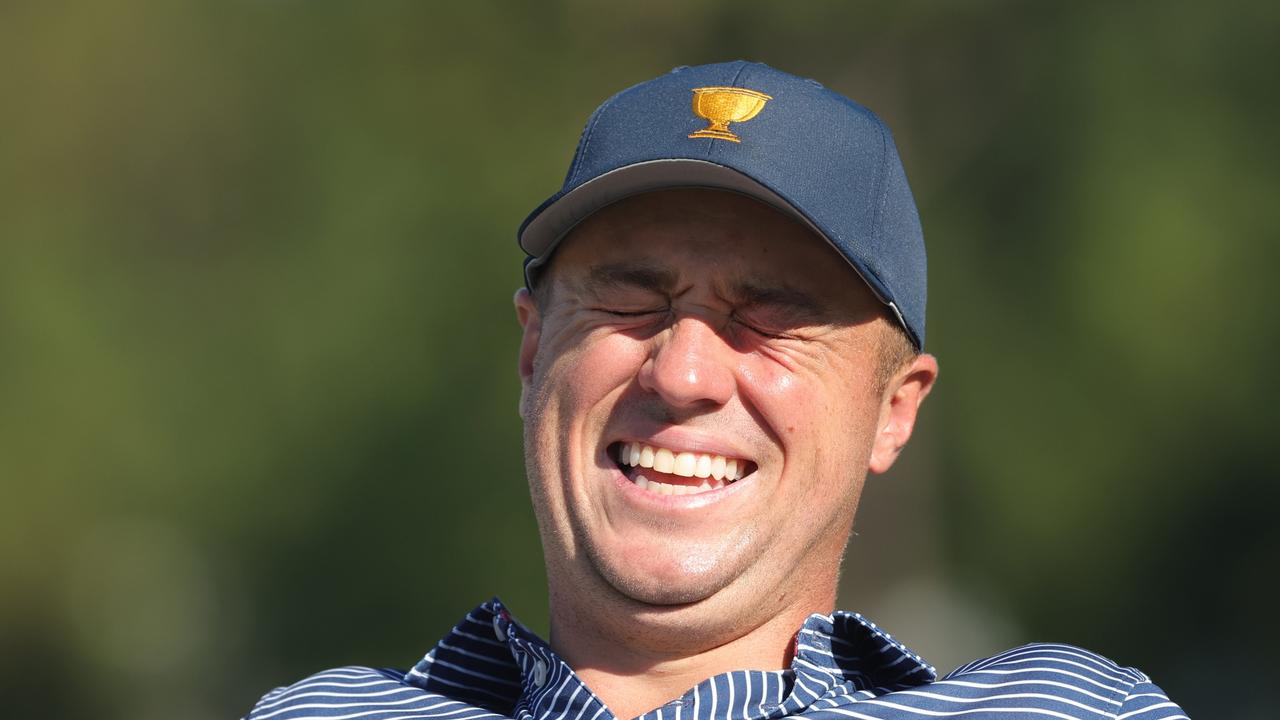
(492,661)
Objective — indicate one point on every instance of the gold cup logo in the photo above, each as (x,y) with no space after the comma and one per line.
(720,106)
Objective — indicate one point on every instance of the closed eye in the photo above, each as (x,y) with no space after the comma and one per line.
(630,313)
(764,333)
(761,329)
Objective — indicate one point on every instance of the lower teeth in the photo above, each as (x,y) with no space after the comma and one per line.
(669,489)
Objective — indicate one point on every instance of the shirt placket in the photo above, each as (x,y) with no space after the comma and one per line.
(738,695)
(550,690)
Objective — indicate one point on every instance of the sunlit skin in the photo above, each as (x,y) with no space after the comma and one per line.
(704,321)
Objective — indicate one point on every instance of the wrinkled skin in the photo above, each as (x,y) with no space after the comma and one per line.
(702,320)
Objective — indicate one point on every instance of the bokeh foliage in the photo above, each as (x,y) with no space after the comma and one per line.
(257,352)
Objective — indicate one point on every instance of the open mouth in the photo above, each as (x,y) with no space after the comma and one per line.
(677,472)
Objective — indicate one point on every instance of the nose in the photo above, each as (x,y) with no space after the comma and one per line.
(690,365)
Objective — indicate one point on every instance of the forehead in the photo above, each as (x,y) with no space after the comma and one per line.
(688,234)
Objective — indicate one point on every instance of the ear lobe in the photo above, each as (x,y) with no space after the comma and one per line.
(899,409)
(530,320)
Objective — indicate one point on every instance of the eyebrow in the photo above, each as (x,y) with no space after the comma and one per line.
(629,274)
(782,297)
(612,276)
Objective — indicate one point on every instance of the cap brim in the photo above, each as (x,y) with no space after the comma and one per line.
(559,215)
(544,229)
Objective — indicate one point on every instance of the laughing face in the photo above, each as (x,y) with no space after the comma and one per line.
(702,403)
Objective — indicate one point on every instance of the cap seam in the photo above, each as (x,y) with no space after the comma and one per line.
(742,65)
(711,151)
(586,138)
(882,192)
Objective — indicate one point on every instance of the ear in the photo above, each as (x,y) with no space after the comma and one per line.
(530,320)
(898,409)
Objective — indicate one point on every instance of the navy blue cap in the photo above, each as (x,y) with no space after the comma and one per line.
(748,128)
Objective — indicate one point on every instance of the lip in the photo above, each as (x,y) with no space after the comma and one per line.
(686,440)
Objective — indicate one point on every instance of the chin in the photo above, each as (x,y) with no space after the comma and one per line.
(676,583)
(649,591)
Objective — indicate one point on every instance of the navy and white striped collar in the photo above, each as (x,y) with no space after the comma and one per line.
(492,661)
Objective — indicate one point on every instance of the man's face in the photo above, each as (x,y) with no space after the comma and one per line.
(692,331)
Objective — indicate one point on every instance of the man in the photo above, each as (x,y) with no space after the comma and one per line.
(723,331)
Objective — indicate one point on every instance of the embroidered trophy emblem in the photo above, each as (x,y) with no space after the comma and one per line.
(720,106)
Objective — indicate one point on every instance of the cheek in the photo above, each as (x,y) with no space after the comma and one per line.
(833,411)
(577,370)
(792,401)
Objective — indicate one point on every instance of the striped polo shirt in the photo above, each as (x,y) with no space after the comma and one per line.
(490,666)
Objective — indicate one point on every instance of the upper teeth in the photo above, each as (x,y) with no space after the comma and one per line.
(685,464)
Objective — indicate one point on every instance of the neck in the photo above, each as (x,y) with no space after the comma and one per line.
(638,660)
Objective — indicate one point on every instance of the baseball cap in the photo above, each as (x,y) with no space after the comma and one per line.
(745,127)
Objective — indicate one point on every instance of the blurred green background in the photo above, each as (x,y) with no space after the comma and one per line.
(257,354)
